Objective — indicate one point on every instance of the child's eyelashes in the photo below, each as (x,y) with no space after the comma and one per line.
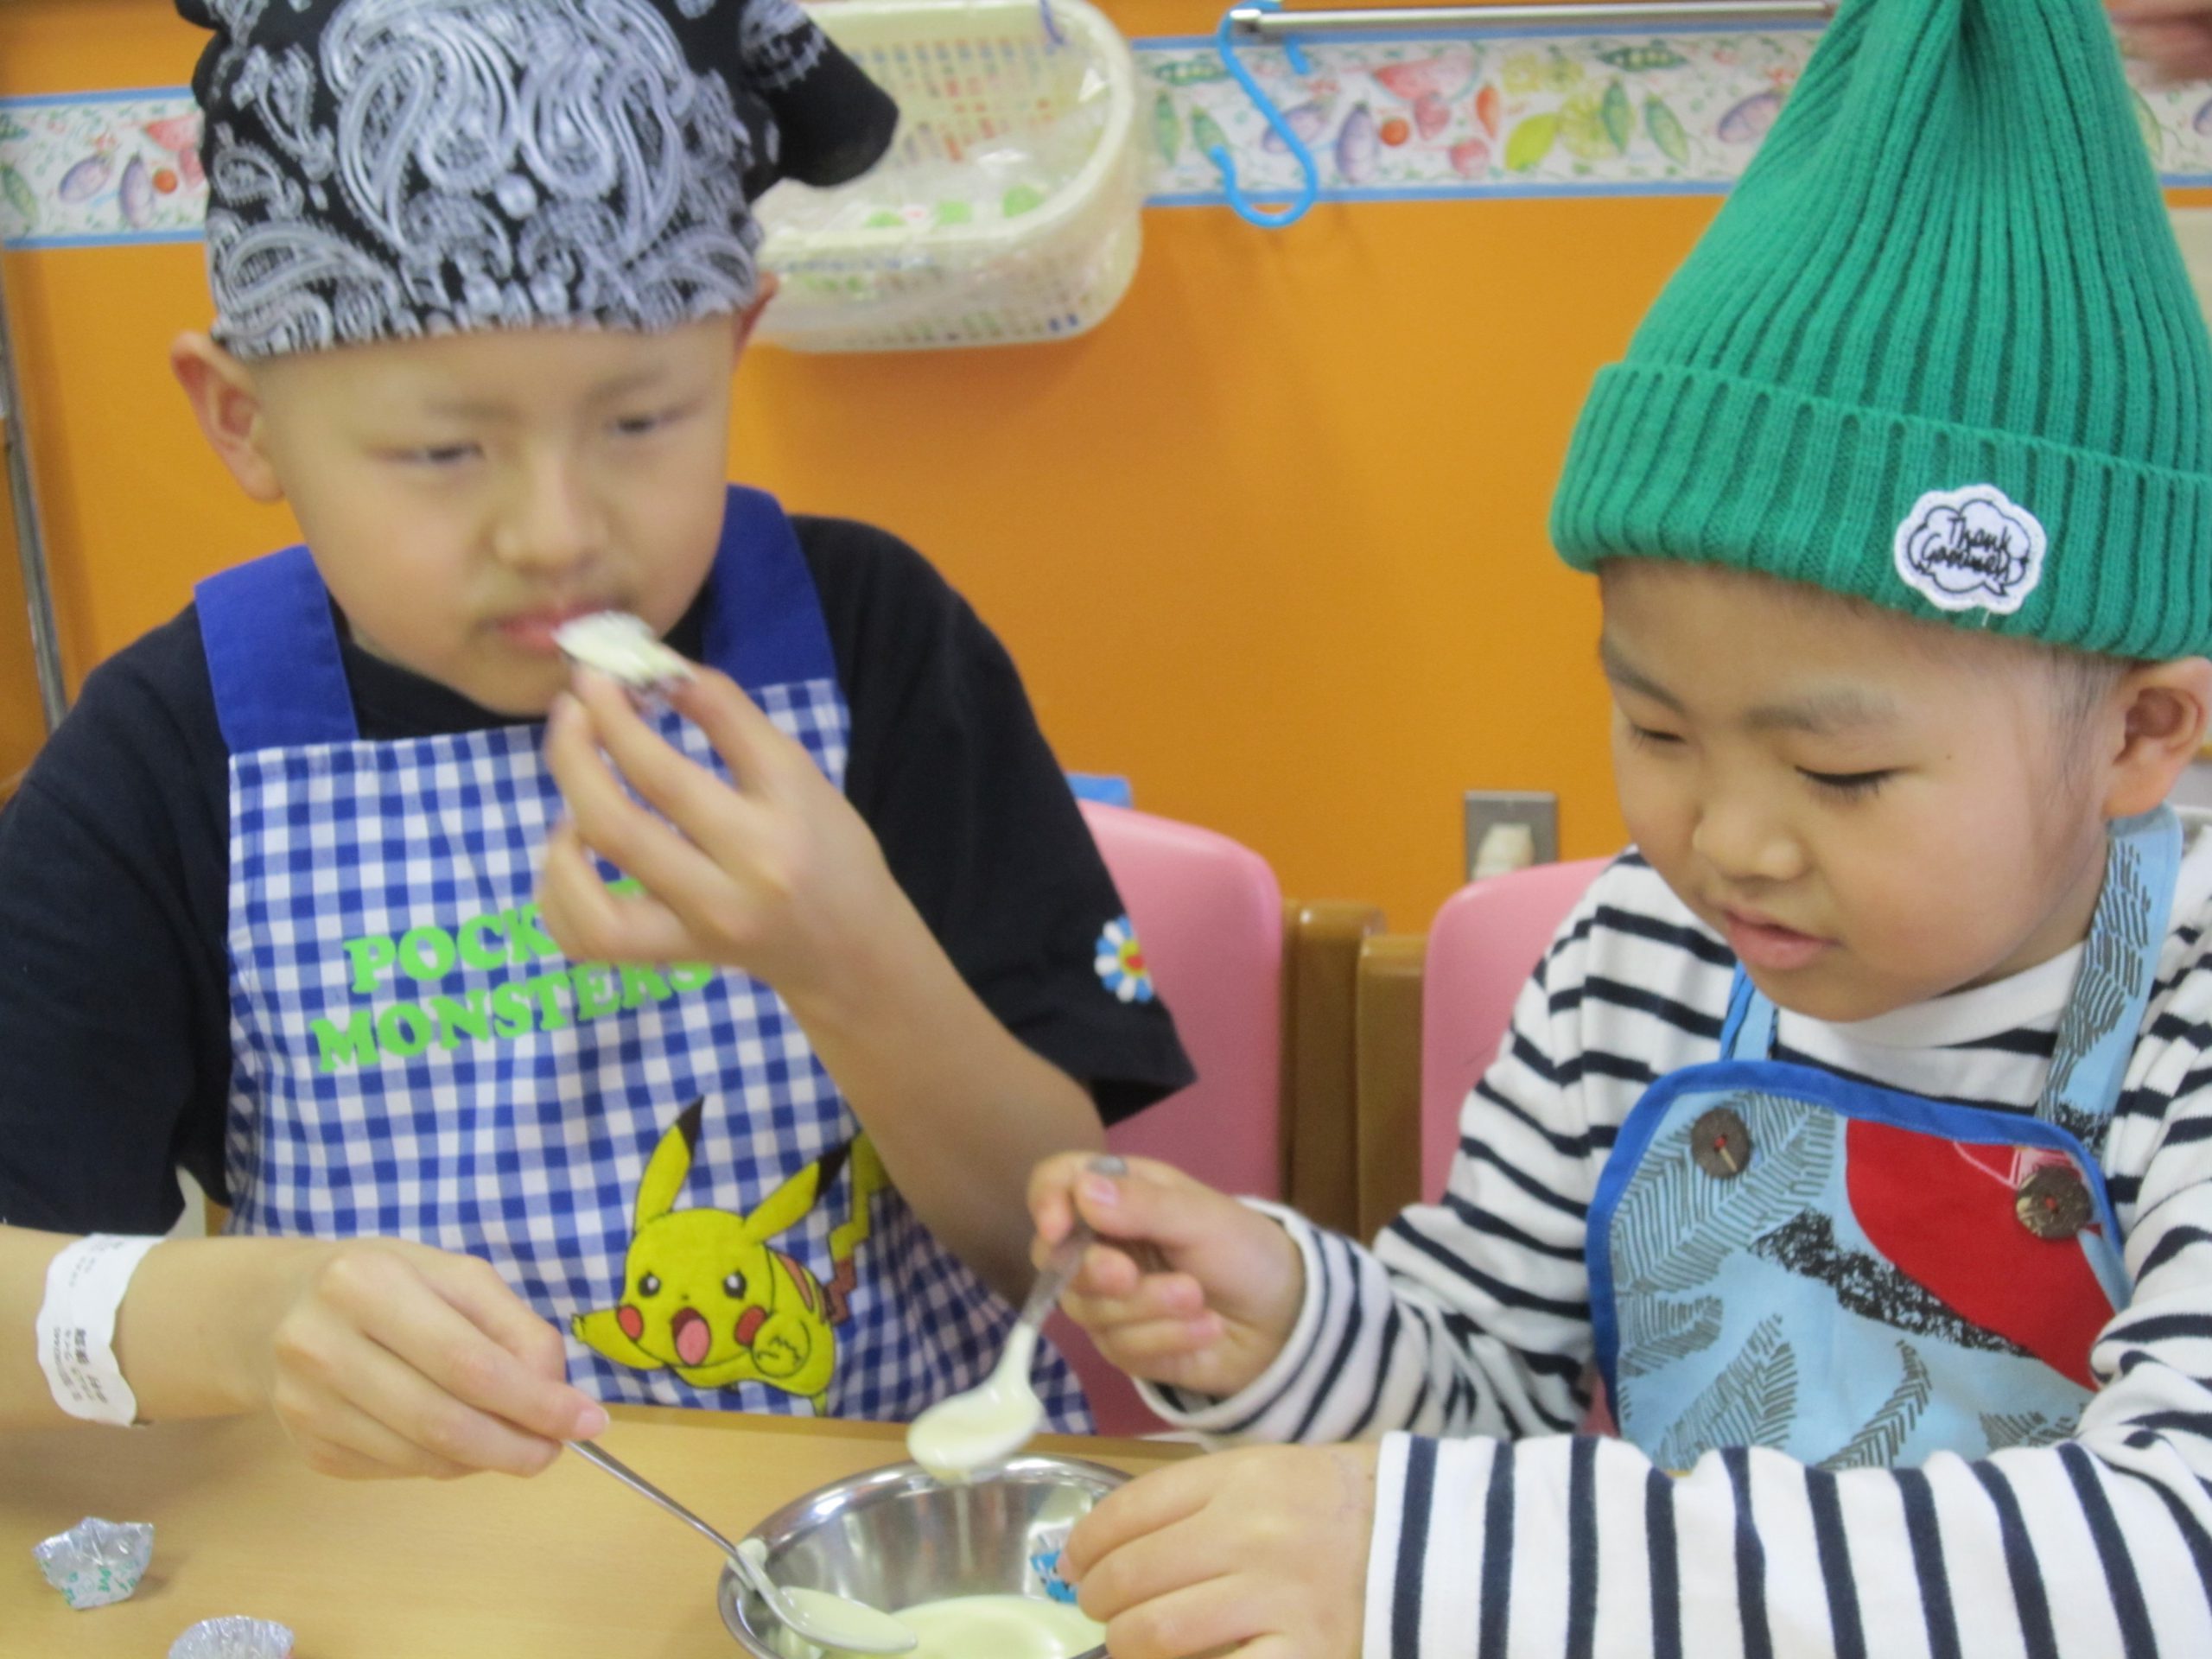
(1837,785)
(445,456)
(1644,737)
(644,426)
(1847,785)
(435,456)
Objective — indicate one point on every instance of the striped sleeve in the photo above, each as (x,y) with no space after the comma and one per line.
(1472,1316)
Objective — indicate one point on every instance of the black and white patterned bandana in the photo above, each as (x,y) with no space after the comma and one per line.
(388,170)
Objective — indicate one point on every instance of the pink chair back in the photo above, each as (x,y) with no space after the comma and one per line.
(1209,914)
(1486,940)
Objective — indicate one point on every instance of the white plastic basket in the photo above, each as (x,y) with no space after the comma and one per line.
(1008,210)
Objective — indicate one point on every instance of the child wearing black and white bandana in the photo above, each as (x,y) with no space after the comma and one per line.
(304,896)
(391,170)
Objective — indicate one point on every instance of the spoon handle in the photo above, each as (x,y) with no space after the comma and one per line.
(1057,1272)
(1060,1268)
(637,1483)
(749,1563)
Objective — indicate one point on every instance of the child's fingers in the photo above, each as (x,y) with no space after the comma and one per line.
(1142,1201)
(1108,1273)
(390,1387)
(1146,1348)
(588,781)
(591,922)
(708,810)
(475,1290)
(1125,1297)
(759,753)
(348,1442)
(1152,1202)
(475,1381)
(681,882)
(1144,1506)
(1051,1199)
(1051,1191)
(1106,1270)
(664,852)
(1209,1616)
(1098,1258)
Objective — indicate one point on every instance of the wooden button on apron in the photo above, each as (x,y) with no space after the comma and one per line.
(1721,1145)
(2053,1203)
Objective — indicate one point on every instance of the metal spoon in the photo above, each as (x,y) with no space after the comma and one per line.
(837,1623)
(994,1419)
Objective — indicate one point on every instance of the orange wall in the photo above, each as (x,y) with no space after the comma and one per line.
(23,719)
(1271,541)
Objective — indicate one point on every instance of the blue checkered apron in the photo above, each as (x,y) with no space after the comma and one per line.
(413,1057)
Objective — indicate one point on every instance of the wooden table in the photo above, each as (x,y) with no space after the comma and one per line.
(566,1564)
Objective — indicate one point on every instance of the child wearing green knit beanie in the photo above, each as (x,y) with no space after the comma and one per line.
(1915,450)
(1856,1130)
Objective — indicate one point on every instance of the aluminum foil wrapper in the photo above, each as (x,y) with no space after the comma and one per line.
(97,1562)
(234,1638)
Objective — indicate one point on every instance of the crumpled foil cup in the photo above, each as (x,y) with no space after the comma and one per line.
(234,1638)
(97,1562)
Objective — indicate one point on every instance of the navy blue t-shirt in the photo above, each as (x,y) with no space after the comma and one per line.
(115,1043)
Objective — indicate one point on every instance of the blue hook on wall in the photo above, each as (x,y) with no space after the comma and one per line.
(1310,188)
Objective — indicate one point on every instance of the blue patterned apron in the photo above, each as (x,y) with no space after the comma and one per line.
(652,1156)
(1781,1258)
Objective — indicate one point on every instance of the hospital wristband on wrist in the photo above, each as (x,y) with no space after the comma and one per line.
(85,1288)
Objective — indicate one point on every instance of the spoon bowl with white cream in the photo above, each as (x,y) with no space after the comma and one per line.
(838,1624)
(965,1433)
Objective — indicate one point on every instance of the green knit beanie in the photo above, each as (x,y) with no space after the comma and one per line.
(1938,350)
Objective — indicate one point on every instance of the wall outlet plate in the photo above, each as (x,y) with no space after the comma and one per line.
(1488,807)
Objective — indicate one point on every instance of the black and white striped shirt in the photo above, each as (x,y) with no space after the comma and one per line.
(1499,1532)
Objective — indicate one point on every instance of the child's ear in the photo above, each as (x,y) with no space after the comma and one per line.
(2167,706)
(227,405)
(744,322)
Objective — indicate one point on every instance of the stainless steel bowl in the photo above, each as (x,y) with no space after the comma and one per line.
(894,1538)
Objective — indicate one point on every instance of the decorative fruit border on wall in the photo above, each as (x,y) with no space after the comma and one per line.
(1386,118)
